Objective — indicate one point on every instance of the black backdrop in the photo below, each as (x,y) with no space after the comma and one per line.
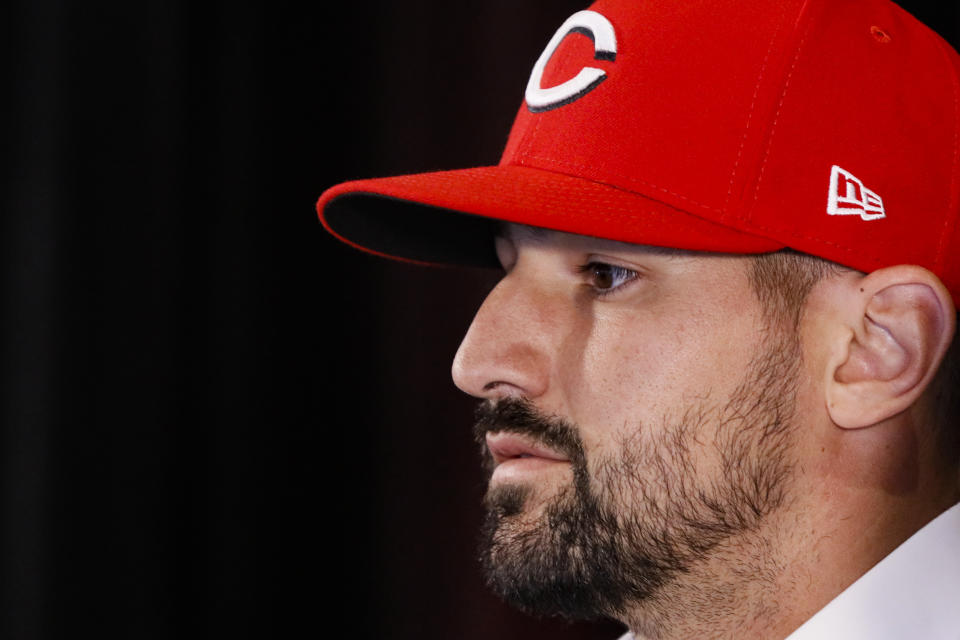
(216,419)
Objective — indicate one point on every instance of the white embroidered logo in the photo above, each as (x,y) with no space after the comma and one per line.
(848,197)
(597,28)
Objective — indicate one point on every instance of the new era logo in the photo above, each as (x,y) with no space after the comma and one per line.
(848,197)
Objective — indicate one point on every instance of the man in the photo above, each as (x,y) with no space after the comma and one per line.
(717,381)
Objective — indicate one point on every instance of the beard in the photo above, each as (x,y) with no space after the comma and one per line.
(618,535)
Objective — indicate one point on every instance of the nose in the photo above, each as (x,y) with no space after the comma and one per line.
(507,349)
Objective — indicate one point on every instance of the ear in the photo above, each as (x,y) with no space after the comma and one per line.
(900,321)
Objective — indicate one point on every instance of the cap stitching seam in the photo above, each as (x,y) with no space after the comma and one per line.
(616,212)
(753,102)
(776,119)
(612,216)
(570,165)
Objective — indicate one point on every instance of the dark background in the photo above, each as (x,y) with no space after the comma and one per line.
(215,418)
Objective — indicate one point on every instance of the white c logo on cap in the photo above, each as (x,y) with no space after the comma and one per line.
(597,28)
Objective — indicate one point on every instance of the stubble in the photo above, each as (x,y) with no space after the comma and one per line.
(630,525)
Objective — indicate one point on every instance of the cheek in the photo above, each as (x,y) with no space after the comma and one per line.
(633,372)
(619,376)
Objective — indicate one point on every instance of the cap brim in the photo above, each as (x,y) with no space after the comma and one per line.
(448,217)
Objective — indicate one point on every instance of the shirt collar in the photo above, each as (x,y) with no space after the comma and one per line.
(912,593)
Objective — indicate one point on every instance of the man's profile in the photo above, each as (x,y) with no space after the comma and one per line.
(718,380)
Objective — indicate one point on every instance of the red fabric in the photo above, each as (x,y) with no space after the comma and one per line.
(717,127)
(672,116)
(555,201)
(887,112)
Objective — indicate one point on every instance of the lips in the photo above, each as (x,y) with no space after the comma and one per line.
(506,446)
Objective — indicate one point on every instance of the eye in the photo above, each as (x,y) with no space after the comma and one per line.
(606,278)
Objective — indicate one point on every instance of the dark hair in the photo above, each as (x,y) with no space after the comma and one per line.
(782,281)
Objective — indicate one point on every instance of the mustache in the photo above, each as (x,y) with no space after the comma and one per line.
(520,416)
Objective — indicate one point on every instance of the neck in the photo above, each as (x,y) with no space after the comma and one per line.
(742,591)
(766,583)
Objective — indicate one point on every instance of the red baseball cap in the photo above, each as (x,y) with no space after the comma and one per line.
(827,126)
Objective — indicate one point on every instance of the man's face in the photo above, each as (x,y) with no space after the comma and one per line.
(637,412)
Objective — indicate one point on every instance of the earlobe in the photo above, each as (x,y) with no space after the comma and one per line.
(900,324)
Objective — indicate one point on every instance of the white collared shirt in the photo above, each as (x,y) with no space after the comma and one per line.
(912,594)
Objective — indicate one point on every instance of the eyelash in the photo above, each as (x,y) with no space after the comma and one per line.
(617,273)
